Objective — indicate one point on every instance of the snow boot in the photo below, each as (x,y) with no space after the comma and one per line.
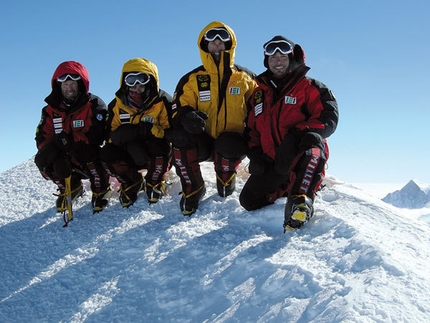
(77,191)
(128,192)
(100,200)
(190,202)
(155,192)
(298,210)
(227,187)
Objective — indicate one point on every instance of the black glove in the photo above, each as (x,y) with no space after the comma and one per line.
(287,151)
(65,141)
(46,155)
(145,130)
(180,138)
(257,164)
(194,122)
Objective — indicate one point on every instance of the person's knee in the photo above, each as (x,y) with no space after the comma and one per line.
(137,153)
(110,153)
(181,138)
(62,167)
(251,201)
(231,145)
(158,147)
(311,139)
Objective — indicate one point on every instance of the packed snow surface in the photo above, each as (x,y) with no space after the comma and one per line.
(358,260)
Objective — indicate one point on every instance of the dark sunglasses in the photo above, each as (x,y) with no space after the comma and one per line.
(132,79)
(65,77)
(215,33)
(282,46)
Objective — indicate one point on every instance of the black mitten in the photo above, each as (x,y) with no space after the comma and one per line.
(180,138)
(65,141)
(145,130)
(194,122)
(257,164)
(287,151)
(46,155)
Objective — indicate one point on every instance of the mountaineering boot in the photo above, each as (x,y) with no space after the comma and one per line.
(155,192)
(77,191)
(128,192)
(298,210)
(226,188)
(100,200)
(190,202)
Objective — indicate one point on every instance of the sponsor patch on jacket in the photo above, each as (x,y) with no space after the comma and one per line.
(258,102)
(58,124)
(205,95)
(99,117)
(78,123)
(234,90)
(148,119)
(258,109)
(290,100)
(203,85)
(124,116)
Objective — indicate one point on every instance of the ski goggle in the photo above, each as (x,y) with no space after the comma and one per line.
(65,77)
(283,46)
(132,79)
(215,33)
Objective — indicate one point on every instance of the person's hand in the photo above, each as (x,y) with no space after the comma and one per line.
(65,141)
(145,129)
(46,155)
(257,164)
(287,152)
(194,122)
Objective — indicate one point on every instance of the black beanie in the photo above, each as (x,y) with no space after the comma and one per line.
(277,38)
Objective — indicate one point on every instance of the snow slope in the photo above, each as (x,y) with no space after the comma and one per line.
(358,260)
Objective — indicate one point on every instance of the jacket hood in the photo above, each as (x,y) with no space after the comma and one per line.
(206,58)
(141,65)
(72,67)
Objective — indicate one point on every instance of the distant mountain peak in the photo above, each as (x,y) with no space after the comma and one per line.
(413,195)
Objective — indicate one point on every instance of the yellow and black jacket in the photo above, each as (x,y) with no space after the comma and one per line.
(120,113)
(220,90)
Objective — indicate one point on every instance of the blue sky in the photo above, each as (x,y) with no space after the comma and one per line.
(374,55)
